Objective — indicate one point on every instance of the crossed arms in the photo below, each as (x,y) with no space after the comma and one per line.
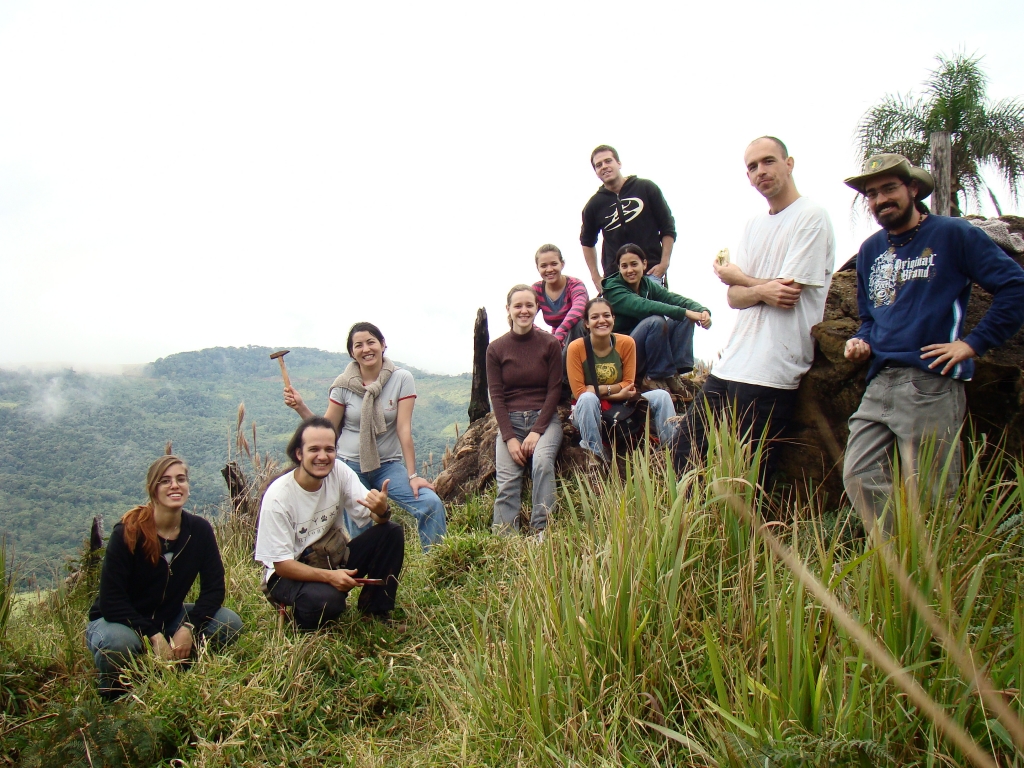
(746,291)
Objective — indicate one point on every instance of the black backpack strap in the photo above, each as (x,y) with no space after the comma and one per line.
(590,364)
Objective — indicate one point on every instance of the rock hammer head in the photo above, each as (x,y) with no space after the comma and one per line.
(279,356)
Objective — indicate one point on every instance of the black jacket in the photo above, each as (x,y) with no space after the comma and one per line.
(647,220)
(147,597)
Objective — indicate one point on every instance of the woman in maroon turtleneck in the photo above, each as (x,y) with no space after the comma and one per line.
(524,376)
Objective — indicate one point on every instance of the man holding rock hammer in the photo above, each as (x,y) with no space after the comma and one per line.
(301,539)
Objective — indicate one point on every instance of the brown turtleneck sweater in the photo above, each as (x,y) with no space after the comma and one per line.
(524,373)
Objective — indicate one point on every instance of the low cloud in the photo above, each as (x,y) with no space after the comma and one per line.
(49,401)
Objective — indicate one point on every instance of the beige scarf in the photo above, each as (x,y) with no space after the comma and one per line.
(371,417)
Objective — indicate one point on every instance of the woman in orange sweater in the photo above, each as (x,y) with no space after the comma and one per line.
(615,366)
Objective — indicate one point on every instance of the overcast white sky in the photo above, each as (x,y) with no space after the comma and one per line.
(175,176)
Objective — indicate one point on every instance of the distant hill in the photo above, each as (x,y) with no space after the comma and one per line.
(76,445)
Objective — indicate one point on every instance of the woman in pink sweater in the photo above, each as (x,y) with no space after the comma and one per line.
(561,298)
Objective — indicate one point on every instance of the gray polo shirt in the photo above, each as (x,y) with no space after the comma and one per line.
(399,387)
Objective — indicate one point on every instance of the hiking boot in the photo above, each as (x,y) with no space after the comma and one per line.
(648,384)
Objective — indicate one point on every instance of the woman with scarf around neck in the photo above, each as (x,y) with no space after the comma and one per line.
(154,555)
(371,404)
(524,378)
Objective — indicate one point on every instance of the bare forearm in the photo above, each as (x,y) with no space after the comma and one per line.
(408,451)
(667,243)
(743,297)
(296,571)
(590,256)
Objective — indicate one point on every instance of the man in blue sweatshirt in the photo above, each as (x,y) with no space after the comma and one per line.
(913,283)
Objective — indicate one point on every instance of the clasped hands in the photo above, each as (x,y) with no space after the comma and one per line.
(522,451)
(178,648)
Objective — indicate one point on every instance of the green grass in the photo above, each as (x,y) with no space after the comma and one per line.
(656,625)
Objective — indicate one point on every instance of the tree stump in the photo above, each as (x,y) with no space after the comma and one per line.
(479,403)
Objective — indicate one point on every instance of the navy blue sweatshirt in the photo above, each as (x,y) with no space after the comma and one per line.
(647,220)
(148,597)
(916,293)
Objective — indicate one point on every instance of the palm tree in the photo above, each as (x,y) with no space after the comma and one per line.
(982,134)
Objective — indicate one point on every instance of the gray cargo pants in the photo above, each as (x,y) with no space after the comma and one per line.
(901,407)
(510,475)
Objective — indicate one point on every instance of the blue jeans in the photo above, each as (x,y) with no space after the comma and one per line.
(428,509)
(664,347)
(510,475)
(586,416)
(112,644)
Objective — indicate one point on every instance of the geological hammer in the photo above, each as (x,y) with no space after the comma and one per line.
(279,356)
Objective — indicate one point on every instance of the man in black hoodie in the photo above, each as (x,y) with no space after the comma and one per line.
(625,210)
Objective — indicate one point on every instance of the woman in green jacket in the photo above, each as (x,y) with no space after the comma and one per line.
(659,321)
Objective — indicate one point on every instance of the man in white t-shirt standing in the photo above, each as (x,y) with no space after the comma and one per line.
(302,505)
(779,281)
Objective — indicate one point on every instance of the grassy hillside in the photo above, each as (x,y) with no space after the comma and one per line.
(655,626)
(73,445)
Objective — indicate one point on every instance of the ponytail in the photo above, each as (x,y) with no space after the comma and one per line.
(141,520)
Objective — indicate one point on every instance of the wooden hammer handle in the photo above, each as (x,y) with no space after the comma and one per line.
(284,372)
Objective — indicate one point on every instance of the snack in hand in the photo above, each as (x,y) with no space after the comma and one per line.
(722,257)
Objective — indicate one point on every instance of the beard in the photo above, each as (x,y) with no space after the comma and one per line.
(892,217)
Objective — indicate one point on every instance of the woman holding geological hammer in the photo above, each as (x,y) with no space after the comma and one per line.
(371,403)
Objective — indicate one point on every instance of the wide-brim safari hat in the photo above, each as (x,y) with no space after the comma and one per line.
(895,165)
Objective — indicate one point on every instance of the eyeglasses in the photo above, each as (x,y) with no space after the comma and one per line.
(886,190)
(165,482)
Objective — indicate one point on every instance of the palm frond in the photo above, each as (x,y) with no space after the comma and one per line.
(983,136)
(895,125)
(955,89)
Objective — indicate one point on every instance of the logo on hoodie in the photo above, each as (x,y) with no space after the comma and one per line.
(631,208)
(889,273)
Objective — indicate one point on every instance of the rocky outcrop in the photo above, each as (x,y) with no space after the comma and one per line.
(832,389)
(828,396)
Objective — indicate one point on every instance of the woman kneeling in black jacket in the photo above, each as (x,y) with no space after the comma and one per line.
(152,560)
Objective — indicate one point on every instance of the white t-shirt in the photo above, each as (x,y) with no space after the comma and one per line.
(400,386)
(292,518)
(773,347)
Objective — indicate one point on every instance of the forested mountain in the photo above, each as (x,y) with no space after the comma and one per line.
(76,445)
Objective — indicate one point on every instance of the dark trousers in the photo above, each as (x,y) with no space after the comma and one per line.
(376,554)
(757,407)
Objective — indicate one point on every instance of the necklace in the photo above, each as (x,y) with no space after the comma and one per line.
(913,233)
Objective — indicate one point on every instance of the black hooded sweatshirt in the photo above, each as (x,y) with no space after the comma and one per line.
(647,220)
(147,597)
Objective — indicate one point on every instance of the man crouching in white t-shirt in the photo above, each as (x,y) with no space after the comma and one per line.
(779,280)
(305,503)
